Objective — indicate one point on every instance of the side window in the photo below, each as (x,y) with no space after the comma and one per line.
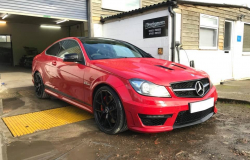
(53,50)
(69,46)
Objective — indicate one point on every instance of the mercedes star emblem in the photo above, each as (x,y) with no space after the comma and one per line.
(199,87)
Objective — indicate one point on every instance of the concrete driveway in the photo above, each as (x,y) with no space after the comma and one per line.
(224,136)
(14,77)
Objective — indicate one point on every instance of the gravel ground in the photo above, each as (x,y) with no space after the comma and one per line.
(225,136)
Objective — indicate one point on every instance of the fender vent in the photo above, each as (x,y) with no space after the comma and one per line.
(164,67)
(178,66)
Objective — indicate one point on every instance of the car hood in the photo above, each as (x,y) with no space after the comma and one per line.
(157,71)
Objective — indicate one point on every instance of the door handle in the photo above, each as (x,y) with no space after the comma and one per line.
(54,63)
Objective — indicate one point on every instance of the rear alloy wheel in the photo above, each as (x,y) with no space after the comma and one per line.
(39,86)
(108,111)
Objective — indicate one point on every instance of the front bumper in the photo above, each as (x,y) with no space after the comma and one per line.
(170,107)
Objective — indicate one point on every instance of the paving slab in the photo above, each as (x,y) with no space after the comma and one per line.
(1,145)
(3,154)
(235,91)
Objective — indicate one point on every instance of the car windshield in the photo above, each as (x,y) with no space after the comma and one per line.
(110,49)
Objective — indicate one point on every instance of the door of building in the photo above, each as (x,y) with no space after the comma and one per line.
(228,50)
(5,49)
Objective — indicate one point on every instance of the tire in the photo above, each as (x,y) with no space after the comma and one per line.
(39,86)
(108,111)
(125,126)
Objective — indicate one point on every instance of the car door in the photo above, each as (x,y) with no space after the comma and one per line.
(50,76)
(70,82)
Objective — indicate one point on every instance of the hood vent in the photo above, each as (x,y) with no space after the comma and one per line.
(178,66)
(164,67)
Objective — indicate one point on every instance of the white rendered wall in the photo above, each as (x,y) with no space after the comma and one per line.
(131,30)
(219,65)
(241,60)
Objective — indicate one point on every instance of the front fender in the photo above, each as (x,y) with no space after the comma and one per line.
(118,84)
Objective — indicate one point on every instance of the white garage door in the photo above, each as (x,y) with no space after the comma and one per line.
(71,9)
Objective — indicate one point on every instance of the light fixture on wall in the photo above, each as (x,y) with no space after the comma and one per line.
(240,17)
(53,27)
(5,15)
(61,21)
(3,22)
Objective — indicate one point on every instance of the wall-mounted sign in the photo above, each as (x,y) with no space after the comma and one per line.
(46,16)
(238,38)
(160,51)
(156,27)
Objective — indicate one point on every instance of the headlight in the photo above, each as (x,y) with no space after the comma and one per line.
(149,89)
(211,84)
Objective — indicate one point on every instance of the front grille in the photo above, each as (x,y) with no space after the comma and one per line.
(185,117)
(153,120)
(187,89)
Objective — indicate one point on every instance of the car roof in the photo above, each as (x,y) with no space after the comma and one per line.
(97,38)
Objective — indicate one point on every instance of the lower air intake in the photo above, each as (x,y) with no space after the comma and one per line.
(185,117)
(153,120)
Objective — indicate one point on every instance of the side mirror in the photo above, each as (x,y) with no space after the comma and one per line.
(71,57)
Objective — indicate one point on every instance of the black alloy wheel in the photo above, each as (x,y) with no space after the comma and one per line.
(108,111)
(39,86)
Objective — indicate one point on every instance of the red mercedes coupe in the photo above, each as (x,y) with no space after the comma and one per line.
(123,86)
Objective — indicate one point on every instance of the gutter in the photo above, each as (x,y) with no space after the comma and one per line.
(138,11)
(173,18)
(193,2)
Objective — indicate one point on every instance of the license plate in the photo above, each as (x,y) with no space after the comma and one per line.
(202,105)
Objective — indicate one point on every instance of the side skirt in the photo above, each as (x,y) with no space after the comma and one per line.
(68,99)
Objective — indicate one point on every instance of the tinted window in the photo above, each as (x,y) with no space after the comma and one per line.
(53,50)
(69,46)
(110,49)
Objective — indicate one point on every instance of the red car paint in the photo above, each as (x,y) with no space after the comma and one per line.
(75,83)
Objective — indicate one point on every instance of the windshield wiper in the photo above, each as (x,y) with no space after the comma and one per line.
(102,58)
(129,57)
(124,57)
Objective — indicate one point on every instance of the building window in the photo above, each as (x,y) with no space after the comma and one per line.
(228,35)
(121,5)
(208,32)
(246,38)
(4,38)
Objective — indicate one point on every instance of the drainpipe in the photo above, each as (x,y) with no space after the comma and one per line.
(90,28)
(173,18)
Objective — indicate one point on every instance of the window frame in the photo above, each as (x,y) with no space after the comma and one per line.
(140,5)
(244,53)
(84,60)
(231,41)
(6,39)
(52,46)
(209,27)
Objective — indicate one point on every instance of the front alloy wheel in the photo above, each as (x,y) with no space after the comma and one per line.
(108,111)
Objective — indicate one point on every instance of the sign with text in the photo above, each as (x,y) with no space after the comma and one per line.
(156,27)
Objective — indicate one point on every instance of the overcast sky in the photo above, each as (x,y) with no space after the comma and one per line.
(234,2)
